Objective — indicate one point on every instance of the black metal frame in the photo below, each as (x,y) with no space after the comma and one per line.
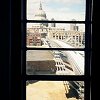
(88,49)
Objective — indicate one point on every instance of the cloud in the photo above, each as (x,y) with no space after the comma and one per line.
(66,16)
(59,14)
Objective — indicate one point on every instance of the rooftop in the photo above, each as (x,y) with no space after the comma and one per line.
(38,55)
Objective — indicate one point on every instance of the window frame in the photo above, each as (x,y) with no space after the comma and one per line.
(87,50)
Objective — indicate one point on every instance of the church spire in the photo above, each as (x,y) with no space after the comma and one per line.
(40,6)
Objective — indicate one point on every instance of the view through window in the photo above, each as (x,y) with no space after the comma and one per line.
(56,39)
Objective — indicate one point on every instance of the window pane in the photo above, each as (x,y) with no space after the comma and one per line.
(56,9)
(55,35)
(54,90)
(54,62)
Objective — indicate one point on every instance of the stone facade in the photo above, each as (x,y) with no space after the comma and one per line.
(33,37)
(75,38)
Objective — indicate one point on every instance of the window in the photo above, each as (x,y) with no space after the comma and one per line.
(44,61)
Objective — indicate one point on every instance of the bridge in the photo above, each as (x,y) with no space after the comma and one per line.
(76,58)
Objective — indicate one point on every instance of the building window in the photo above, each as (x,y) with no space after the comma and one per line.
(77,39)
(80,39)
(57,57)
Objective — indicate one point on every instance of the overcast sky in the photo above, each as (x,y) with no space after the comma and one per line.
(58,9)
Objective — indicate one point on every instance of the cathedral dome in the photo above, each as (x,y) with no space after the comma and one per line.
(40,14)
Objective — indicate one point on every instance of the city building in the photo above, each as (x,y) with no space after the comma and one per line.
(74,36)
(33,37)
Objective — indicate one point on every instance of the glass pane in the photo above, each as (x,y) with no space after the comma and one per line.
(56,9)
(54,90)
(55,35)
(54,62)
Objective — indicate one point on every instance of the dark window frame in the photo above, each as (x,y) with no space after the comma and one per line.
(88,48)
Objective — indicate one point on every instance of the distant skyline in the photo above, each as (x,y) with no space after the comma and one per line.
(59,10)
(62,25)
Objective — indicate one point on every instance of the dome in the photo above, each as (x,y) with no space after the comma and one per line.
(40,14)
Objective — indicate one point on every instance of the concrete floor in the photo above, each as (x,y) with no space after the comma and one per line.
(46,90)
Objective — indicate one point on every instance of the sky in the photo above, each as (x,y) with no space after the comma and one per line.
(58,9)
